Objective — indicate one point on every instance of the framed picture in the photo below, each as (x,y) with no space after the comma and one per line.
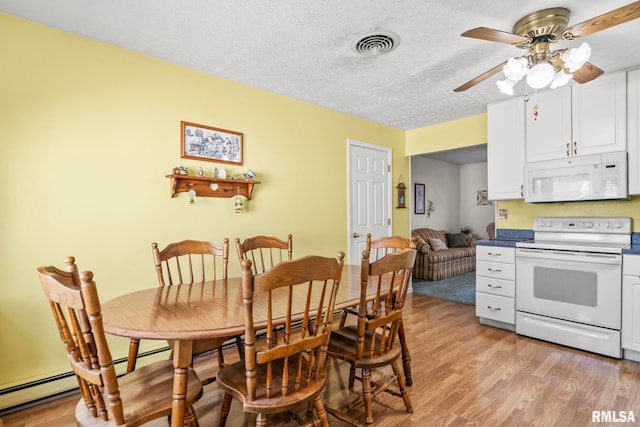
(419,194)
(211,144)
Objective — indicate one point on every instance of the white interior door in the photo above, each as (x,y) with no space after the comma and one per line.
(369,195)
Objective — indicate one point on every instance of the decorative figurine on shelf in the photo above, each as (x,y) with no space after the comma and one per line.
(250,175)
(222,173)
(180,170)
(215,172)
(200,171)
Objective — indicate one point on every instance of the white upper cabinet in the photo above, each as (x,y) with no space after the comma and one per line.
(577,120)
(505,149)
(548,124)
(600,115)
(633,121)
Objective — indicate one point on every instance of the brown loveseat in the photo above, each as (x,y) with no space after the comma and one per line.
(436,261)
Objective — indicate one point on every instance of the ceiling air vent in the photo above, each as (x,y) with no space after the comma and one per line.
(374,43)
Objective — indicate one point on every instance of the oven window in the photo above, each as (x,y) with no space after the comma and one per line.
(569,286)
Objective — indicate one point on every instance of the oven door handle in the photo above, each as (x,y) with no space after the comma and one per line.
(594,258)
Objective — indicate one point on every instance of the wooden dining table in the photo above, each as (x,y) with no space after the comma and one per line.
(214,309)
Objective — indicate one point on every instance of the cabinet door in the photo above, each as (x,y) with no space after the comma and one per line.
(599,111)
(548,125)
(505,149)
(631,313)
(633,121)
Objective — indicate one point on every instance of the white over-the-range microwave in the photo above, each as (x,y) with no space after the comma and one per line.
(591,177)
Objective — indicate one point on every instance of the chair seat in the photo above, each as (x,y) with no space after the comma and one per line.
(343,342)
(232,380)
(146,387)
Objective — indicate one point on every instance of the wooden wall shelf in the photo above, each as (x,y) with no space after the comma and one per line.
(205,186)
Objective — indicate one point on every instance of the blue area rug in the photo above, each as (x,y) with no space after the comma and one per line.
(460,288)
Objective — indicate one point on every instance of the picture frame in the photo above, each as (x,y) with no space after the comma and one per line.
(419,206)
(211,144)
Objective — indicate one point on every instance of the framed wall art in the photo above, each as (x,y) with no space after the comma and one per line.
(200,142)
(419,199)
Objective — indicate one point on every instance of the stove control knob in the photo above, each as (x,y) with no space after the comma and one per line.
(588,224)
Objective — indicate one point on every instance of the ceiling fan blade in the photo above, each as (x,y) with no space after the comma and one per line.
(607,20)
(587,73)
(492,35)
(471,83)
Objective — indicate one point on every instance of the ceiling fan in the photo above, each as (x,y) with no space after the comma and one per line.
(536,32)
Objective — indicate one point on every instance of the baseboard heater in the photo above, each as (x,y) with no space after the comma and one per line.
(21,396)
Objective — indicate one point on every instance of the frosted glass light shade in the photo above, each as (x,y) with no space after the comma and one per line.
(540,75)
(516,68)
(506,86)
(574,58)
(560,79)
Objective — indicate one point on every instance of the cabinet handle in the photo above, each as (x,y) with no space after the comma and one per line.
(494,308)
(494,286)
(495,270)
(493,254)
(575,148)
(522,190)
(568,149)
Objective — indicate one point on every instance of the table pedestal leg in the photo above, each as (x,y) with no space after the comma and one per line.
(182,354)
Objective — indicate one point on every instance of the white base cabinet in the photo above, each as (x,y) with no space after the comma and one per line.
(495,286)
(631,306)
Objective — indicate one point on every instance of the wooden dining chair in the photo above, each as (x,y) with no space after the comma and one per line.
(373,341)
(107,400)
(188,262)
(265,251)
(377,249)
(279,374)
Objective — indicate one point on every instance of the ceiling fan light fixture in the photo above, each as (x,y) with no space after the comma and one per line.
(516,68)
(560,79)
(506,86)
(540,75)
(575,58)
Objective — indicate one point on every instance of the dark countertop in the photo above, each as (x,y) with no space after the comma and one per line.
(507,238)
(635,245)
(634,249)
(505,243)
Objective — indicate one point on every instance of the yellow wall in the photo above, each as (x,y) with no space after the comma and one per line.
(521,214)
(89,132)
(460,133)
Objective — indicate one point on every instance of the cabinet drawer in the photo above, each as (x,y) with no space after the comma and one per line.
(496,270)
(631,265)
(495,286)
(495,307)
(495,254)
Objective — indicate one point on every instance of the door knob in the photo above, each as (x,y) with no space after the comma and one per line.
(356,235)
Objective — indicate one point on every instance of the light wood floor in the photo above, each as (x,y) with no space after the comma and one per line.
(464,374)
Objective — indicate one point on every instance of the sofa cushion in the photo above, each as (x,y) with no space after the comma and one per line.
(451,254)
(437,244)
(457,240)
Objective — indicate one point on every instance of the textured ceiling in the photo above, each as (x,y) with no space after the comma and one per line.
(302,48)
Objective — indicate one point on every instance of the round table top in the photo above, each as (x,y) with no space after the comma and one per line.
(203,310)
